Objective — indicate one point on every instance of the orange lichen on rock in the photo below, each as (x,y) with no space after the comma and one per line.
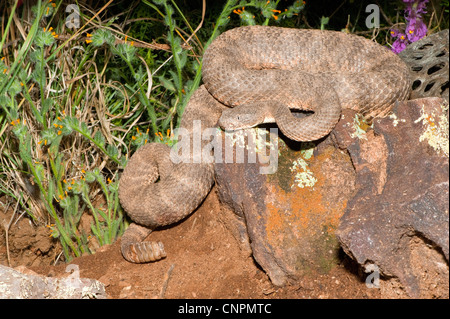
(308,216)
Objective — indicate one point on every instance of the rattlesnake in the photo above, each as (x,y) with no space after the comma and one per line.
(261,72)
(264,71)
(182,187)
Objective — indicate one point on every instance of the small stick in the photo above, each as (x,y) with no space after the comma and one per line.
(166,281)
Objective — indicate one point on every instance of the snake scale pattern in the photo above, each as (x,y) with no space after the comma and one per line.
(254,75)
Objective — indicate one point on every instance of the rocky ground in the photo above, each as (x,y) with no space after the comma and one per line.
(204,261)
(389,213)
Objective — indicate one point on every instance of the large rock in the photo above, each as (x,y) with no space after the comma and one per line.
(22,283)
(398,219)
(286,219)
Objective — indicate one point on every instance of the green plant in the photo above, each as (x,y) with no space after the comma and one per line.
(53,139)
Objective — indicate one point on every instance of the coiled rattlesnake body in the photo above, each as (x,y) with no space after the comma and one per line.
(261,72)
(264,71)
(181,188)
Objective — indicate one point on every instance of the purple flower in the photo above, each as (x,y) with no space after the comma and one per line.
(416,29)
(421,7)
(400,44)
(394,33)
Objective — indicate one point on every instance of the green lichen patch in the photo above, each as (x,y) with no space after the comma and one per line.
(293,170)
(304,177)
(435,130)
(360,127)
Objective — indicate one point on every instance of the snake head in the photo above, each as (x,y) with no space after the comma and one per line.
(244,116)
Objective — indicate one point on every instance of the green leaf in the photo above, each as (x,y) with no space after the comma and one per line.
(112,150)
(94,230)
(50,191)
(72,122)
(90,177)
(101,36)
(96,172)
(159,2)
(39,171)
(54,147)
(175,79)
(46,104)
(84,129)
(323,22)
(123,161)
(6,101)
(183,59)
(113,187)
(99,139)
(44,38)
(48,135)
(15,88)
(59,169)
(167,83)
(102,213)
(25,149)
